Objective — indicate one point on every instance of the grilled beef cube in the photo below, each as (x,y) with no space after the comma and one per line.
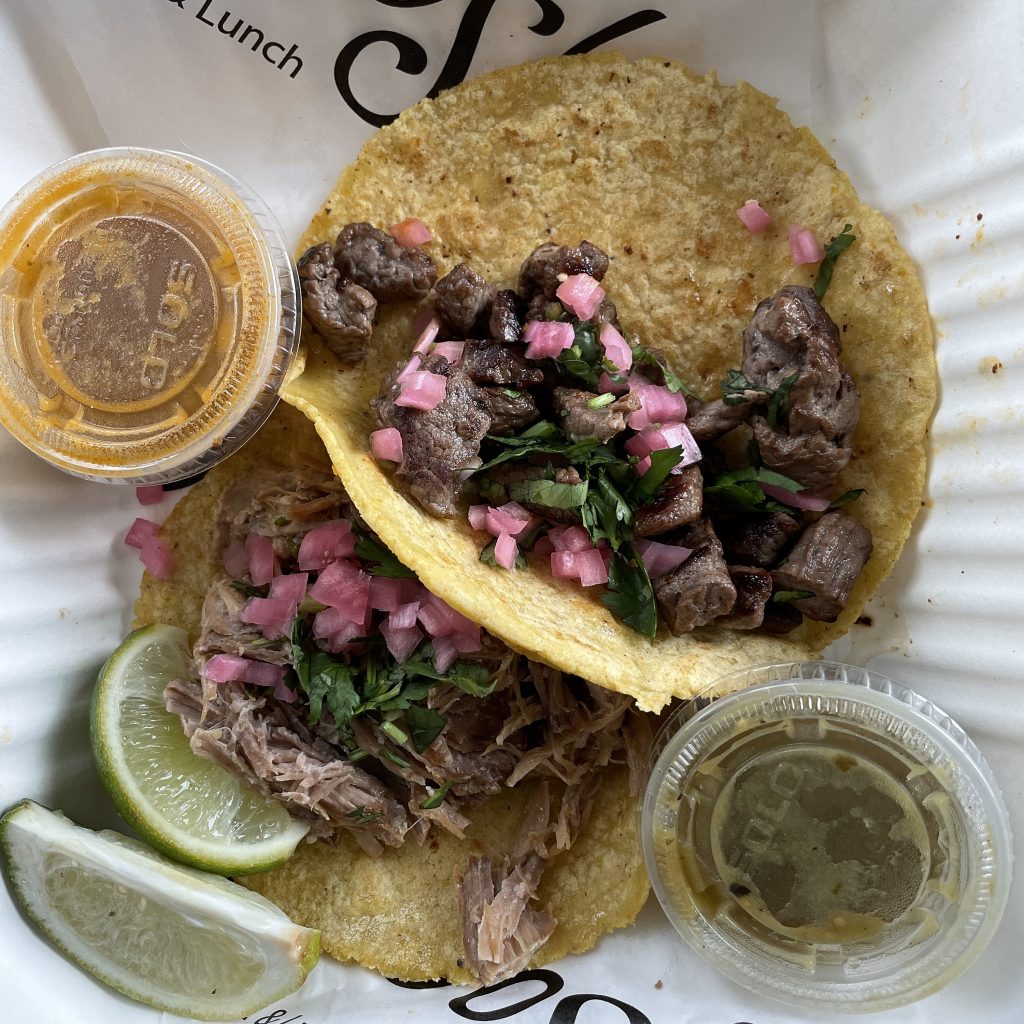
(486,362)
(439,443)
(811,459)
(678,502)
(340,312)
(753,591)
(757,541)
(579,420)
(510,411)
(826,561)
(791,336)
(700,589)
(549,264)
(507,314)
(462,299)
(710,420)
(375,261)
(780,617)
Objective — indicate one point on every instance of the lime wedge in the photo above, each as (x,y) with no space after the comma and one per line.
(184,805)
(166,935)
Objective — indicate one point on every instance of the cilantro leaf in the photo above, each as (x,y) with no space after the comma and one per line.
(323,679)
(845,498)
(468,676)
(247,589)
(839,244)
(424,726)
(607,515)
(780,400)
(630,596)
(785,596)
(662,463)
(369,549)
(739,487)
(361,816)
(735,388)
(644,357)
(549,493)
(436,798)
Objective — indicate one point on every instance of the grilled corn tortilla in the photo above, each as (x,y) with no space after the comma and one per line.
(650,162)
(399,913)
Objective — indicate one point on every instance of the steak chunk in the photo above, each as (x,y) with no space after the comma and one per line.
(710,420)
(340,312)
(510,411)
(507,312)
(678,502)
(791,337)
(374,260)
(550,264)
(826,561)
(759,541)
(439,443)
(499,365)
(700,589)
(753,591)
(463,300)
(579,420)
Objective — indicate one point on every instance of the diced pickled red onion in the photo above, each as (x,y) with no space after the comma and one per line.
(478,516)
(326,543)
(661,558)
(260,551)
(157,558)
(798,499)
(410,367)
(440,619)
(273,615)
(546,338)
(607,386)
(427,336)
(388,594)
(580,293)
(616,350)
(563,565)
(657,405)
(570,538)
(803,246)
(450,350)
(230,668)
(401,642)
(755,218)
(404,615)
(334,623)
(510,518)
(140,531)
(341,588)
(152,495)
(643,465)
(590,566)
(386,444)
(289,587)
(668,435)
(445,653)
(284,693)
(411,231)
(422,390)
(505,550)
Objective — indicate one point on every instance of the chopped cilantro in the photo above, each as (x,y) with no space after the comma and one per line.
(436,798)
(736,388)
(369,549)
(630,596)
(248,589)
(549,493)
(779,403)
(361,816)
(644,357)
(424,725)
(839,244)
(845,498)
(785,596)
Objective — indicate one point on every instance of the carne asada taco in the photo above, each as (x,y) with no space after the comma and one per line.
(476,808)
(667,416)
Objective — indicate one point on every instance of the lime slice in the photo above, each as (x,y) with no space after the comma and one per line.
(166,935)
(184,805)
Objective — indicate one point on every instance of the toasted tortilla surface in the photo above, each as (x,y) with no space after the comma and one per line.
(650,162)
(399,913)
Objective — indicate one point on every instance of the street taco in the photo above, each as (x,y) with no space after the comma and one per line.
(650,164)
(475,809)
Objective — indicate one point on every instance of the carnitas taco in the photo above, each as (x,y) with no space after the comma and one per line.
(614,358)
(473,809)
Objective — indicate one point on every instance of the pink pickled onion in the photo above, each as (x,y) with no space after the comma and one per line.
(570,538)
(591,567)
(661,558)
(580,293)
(606,386)
(404,616)
(388,594)
(755,219)
(334,623)
(157,558)
(150,495)
(229,668)
(450,350)
(410,367)
(657,405)
(343,587)
(410,232)
(290,587)
(445,653)
(422,390)
(274,615)
(803,246)
(284,693)
(798,499)
(401,641)
(427,336)
(141,531)
(386,444)
(546,338)
(325,544)
(235,560)
(505,550)
(261,558)
(668,435)
(510,518)
(616,350)
(478,516)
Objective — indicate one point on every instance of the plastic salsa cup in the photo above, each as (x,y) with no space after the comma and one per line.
(823,835)
(148,315)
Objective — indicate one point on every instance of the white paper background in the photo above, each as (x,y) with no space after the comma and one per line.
(919,102)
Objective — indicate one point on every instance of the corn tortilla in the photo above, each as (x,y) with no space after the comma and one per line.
(650,162)
(399,913)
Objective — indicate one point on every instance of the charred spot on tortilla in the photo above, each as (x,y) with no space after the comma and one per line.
(659,188)
(327,676)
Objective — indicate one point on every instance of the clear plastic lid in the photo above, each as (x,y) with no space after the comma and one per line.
(823,835)
(147,314)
